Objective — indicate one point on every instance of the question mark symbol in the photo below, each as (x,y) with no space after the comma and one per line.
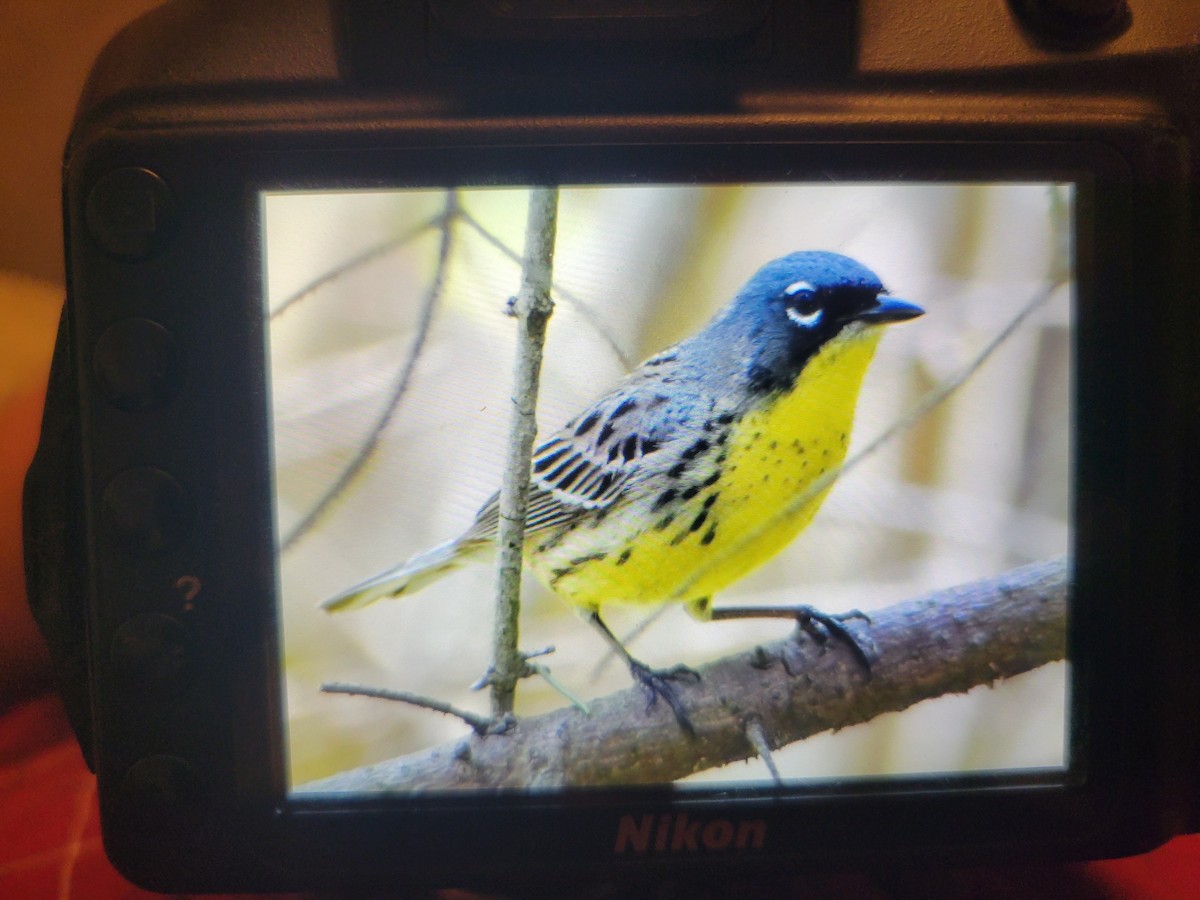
(190,585)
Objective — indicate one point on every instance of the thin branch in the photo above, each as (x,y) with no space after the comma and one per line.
(371,253)
(945,642)
(371,443)
(479,724)
(532,309)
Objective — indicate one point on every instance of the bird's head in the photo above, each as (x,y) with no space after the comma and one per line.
(796,304)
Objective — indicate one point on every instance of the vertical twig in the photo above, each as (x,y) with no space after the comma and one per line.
(532,308)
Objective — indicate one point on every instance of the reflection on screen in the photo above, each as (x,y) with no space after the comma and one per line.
(945,452)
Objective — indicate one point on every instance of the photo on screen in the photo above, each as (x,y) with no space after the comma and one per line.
(937,408)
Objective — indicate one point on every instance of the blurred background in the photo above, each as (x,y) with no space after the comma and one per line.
(394,361)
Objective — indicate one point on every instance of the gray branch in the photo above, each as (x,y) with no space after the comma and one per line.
(945,642)
(532,309)
(371,442)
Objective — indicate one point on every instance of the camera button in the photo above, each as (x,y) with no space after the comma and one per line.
(146,510)
(150,653)
(137,364)
(130,213)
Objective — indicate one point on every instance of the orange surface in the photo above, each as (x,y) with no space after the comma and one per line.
(28,317)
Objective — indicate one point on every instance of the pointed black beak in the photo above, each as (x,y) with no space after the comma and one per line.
(888,310)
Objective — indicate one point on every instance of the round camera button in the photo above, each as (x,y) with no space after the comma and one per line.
(146,510)
(137,364)
(130,213)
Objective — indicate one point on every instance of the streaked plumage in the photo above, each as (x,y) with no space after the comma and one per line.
(675,463)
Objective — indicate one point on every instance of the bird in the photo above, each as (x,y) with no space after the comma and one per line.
(693,469)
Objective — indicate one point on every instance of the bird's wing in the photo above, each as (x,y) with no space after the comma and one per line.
(586,464)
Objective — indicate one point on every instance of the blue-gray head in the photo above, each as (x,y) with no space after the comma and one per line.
(795,304)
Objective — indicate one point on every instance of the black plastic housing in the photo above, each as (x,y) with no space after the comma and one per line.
(199,105)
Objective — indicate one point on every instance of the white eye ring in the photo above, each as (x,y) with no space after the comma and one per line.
(804,321)
(797,286)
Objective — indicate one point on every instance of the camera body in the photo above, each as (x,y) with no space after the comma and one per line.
(154,541)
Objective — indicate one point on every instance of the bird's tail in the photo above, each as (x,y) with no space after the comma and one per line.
(408,577)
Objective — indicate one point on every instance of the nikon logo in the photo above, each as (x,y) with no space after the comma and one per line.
(680,833)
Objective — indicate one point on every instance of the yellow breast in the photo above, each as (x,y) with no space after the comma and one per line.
(774,455)
(777,453)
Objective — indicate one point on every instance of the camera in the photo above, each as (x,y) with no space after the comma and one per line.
(870,346)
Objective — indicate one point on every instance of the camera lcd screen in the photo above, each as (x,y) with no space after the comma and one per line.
(946,459)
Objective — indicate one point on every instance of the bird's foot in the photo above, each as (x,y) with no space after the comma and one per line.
(823,626)
(663,683)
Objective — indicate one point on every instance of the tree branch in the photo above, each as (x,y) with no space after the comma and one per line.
(532,309)
(945,642)
(370,443)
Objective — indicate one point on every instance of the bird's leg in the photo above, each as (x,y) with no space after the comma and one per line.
(655,682)
(816,624)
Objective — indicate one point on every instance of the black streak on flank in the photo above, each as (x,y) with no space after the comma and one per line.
(591,557)
(649,446)
(690,492)
(698,522)
(624,557)
(663,499)
(557,575)
(677,470)
(696,449)
(709,535)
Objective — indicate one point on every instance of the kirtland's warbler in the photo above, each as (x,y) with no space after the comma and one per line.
(686,474)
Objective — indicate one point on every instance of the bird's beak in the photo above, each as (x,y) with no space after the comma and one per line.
(888,310)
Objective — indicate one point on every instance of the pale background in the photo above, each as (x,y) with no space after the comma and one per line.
(976,487)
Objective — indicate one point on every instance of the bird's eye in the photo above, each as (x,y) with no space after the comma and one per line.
(803,307)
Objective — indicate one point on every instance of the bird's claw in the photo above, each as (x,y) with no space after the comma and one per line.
(661,683)
(822,626)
